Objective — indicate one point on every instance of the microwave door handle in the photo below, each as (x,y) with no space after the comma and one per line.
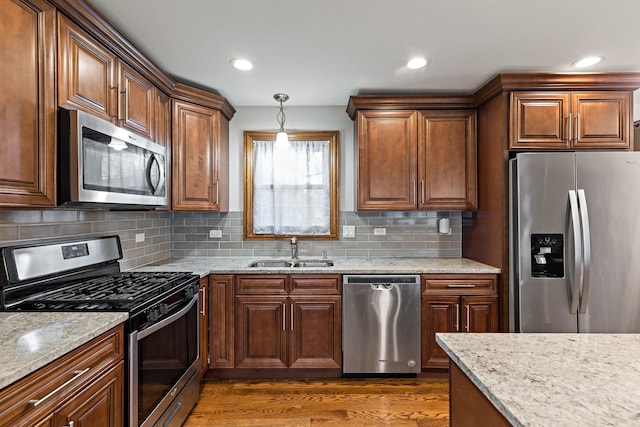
(155,187)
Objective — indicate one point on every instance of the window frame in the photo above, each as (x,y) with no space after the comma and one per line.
(249,137)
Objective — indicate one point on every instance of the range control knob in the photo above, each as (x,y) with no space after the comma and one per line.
(163,309)
(152,315)
(411,363)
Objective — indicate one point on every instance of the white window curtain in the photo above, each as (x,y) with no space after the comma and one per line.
(291,188)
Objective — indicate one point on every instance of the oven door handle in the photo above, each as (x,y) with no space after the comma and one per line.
(164,322)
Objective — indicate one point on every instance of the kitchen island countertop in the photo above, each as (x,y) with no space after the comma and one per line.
(553,379)
(29,341)
(223,265)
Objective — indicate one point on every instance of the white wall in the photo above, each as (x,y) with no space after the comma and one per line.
(298,118)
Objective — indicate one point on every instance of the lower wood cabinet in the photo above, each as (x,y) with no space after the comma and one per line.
(455,303)
(274,321)
(83,388)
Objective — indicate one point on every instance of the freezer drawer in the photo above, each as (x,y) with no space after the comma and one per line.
(381,324)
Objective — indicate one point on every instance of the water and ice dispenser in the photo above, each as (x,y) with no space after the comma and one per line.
(547,255)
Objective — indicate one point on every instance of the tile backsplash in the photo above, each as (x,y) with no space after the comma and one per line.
(179,234)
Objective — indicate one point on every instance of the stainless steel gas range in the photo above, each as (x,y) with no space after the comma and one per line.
(162,330)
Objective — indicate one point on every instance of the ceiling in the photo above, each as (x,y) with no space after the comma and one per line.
(322,52)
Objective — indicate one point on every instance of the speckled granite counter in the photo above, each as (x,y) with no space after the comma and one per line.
(220,265)
(28,341)
(553,379)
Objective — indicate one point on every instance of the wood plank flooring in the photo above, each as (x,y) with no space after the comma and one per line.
(339,402)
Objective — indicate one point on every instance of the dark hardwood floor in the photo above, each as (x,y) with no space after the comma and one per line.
(339,402)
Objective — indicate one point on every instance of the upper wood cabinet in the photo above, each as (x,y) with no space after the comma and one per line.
(412,159)
(136,109)
(447,159)
(27,96)
(571,120)
(200,150)
(87,72)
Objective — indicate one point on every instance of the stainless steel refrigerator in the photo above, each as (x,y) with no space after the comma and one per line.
(575,242)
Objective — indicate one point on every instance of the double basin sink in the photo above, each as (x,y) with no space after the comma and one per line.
(292,263)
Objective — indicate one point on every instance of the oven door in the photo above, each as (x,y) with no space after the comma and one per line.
(163,366)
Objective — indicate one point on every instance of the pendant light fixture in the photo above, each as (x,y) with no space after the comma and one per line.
(282,139)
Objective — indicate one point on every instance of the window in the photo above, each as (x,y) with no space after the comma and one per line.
(291,190)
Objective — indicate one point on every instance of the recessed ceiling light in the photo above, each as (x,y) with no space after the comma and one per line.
(417,62)
(588,61)
(242,64)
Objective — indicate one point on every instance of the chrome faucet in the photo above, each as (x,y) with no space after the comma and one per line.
(294,247)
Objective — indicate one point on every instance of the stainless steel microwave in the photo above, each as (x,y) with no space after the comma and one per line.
(103,165)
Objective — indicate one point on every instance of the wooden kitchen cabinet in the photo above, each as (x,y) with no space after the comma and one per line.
(288,321)
(411,159)
(200,150)
(455,303)
(221,321)
(204,326)
(571,120)
(27,94)
(87,72)
(85,386)
(136,109)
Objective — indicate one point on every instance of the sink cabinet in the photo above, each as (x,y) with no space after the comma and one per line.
(288,321)
(455,303)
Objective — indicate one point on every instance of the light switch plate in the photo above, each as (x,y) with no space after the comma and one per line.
(139,237)
(379,231)
(349,231)
(215,234)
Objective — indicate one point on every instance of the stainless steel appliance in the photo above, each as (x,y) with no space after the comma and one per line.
(575,234)
(381,324)
(162,330)
(100,164)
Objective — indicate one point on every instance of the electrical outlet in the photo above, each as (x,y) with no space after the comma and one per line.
(139,237)
(215,234)
(348,231)
(379,231)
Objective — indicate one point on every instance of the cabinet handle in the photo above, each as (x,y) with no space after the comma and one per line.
(204,301)
(71,424)
(457,317)
(577,127)
(467,325)
(76,374)
(569,128)
(291,310)
(284,310)
(413,191)
(423,193)
(461,285)
(217,193)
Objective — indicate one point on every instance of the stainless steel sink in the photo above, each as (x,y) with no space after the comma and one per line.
(284,263)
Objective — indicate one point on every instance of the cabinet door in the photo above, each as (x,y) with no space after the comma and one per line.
(387,164)
(162,119)
(602,120)
(479,314)
(439,314)
(27,96)
(100,404)
(86,72)
(221,321)
(204,325)
(195,157)
(261,338)
(447,160)
(540,120)
(137,95)
(316,332)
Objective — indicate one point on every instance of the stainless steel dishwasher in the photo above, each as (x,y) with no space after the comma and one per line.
(381,324)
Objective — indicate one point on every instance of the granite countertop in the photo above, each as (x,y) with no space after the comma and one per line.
(553,379)
(29,342)
(221,265)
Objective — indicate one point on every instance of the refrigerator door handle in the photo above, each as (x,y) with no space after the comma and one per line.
(577,252)
(586,247)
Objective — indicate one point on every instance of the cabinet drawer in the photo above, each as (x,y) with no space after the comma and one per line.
(261,284)
(320,284)
(61,379)
(458,284)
